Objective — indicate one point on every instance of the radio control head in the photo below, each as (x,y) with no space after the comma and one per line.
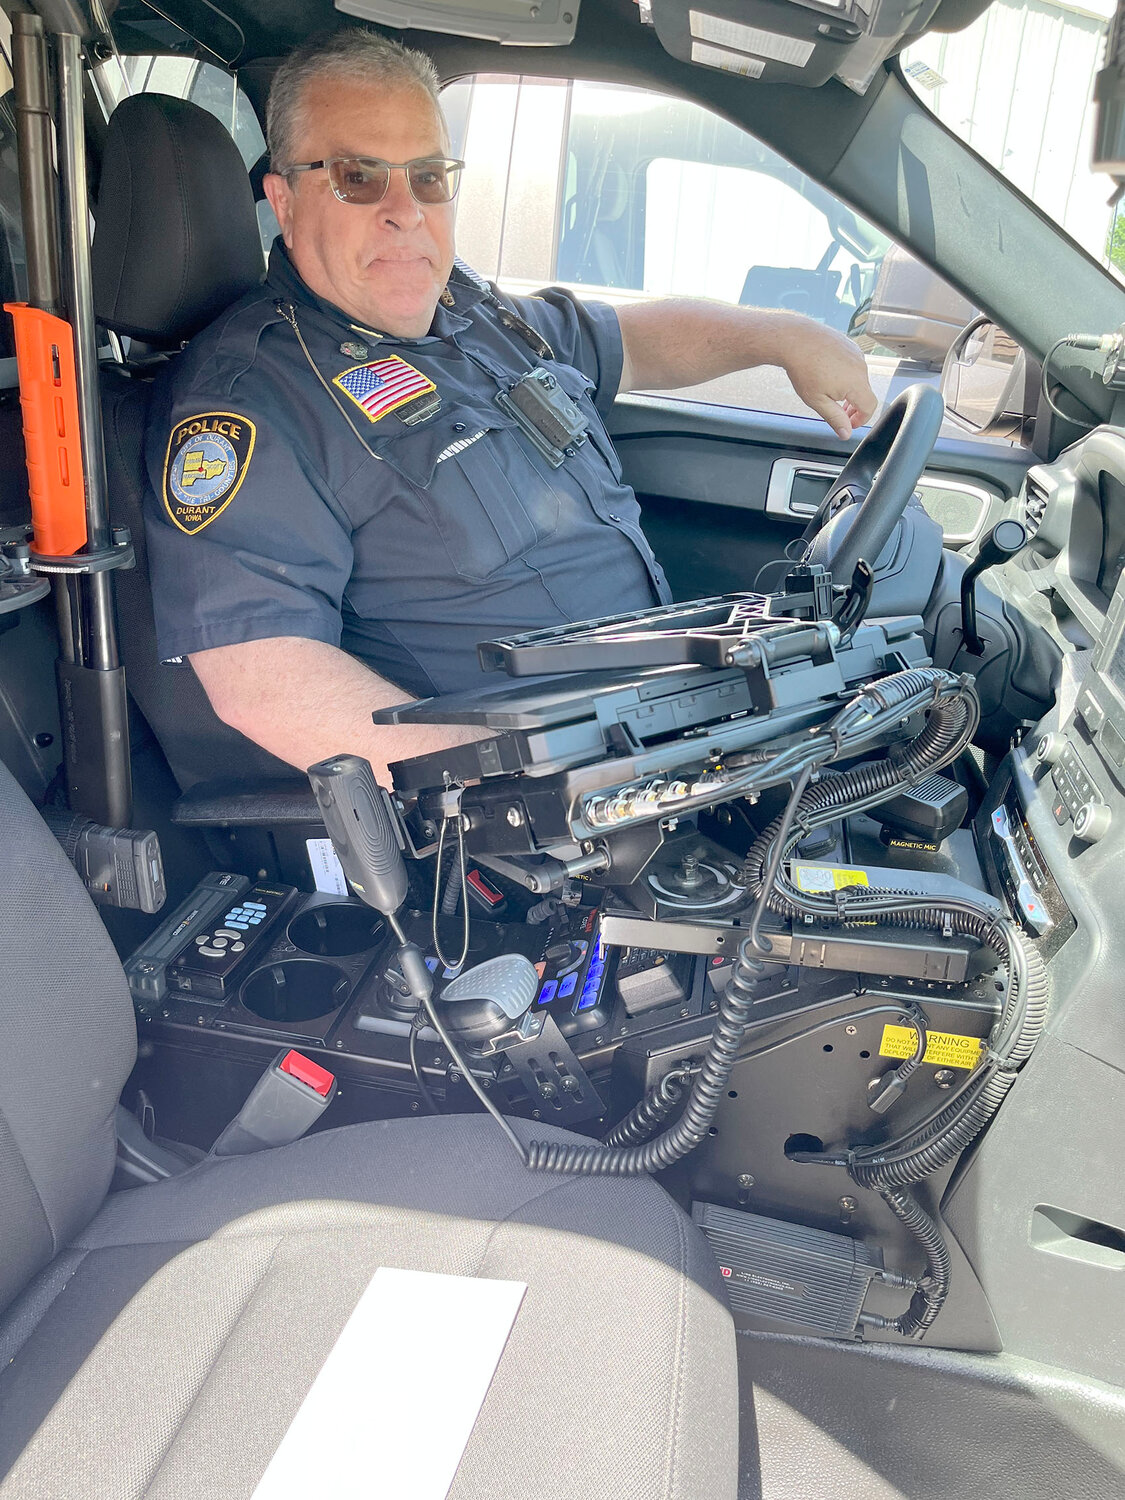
(1091,822)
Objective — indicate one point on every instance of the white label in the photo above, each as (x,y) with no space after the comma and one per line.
(772,44)
(392,1409)
(328,872)
(730,62)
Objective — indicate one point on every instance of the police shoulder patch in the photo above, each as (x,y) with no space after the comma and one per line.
(205,464)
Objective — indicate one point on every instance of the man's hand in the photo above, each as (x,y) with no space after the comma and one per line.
(682,341)
(829,374)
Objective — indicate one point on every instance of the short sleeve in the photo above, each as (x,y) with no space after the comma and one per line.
(586,335)
(245,540)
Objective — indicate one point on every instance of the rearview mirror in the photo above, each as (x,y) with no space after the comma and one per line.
(983,380)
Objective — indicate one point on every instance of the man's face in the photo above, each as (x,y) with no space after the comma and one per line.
(384,264)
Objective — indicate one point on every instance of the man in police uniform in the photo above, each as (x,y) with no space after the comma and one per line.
(341,508)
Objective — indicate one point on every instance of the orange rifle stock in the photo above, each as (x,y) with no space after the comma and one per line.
(49,398)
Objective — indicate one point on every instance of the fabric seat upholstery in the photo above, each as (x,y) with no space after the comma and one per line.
(164,1340)
(223,1291)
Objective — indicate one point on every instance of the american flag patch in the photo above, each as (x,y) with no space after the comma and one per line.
(382,385)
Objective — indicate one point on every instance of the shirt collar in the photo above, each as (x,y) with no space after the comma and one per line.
(283,278)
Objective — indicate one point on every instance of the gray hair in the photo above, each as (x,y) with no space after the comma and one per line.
(354,54)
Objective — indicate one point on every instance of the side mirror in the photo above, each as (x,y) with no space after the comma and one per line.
(984,380)
(912,312)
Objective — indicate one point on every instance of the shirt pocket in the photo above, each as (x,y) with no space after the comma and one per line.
(488,503)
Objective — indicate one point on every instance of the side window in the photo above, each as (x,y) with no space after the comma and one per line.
(204,84)
(624,195)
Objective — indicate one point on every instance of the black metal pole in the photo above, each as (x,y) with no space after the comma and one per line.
(92,700)
(100,645)
(33,145)
(39,214)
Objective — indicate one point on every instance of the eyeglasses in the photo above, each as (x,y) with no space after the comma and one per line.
(365,179)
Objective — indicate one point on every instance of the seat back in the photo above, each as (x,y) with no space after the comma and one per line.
(67,1045)
(176,235)
(176,241)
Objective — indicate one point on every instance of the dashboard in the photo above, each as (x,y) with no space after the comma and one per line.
(1074,511)
(1070,580)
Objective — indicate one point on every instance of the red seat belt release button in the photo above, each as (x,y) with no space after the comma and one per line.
(287,1100)
(304,1070)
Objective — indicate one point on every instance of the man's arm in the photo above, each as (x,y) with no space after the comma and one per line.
(682,341)
(304,700)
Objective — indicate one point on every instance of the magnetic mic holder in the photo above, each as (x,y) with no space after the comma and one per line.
(488,1000)
(1005,539)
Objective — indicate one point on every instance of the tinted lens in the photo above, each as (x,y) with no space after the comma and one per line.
(433,181)
(359,181)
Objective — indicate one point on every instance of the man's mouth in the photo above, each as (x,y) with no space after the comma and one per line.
(398,262)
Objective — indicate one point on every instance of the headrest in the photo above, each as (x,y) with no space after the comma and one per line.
(176,237)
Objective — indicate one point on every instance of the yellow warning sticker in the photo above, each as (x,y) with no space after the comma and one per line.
(825,877)
(944,1049)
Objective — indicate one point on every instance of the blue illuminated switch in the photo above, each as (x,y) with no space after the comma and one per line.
(568,986)
(548,992)
(586,1001)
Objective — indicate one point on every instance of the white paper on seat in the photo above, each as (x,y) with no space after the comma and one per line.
(392,1409)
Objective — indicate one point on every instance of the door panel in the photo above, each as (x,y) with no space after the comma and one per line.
(698,469)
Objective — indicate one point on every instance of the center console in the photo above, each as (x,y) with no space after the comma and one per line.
(618,835)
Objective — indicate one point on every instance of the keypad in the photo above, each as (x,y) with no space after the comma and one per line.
(591,988)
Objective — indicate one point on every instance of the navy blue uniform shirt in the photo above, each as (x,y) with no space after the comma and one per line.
(312,478)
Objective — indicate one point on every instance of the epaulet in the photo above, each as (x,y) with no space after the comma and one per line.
(511,319)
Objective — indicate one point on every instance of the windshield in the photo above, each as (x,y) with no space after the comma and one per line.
(1016,86)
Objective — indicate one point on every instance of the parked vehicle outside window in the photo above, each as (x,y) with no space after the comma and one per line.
(625,194)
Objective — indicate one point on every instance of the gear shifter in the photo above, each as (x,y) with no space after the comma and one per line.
(1005,539)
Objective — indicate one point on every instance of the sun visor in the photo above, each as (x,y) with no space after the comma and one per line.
(526,23)
(788,41)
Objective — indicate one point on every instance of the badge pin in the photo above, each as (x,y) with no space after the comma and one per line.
(353,350)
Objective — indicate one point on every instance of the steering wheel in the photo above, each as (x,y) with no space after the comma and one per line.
(860,512)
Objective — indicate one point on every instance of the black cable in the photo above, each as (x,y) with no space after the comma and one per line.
(651,1111)
(449,962)
(758,944)
(1058,344)
(932,1291)
(470,1077)
(889,1169)
(419,1078)
(734,1013)
(452,892)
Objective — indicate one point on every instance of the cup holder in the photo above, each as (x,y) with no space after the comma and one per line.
(336,929)
(297,989)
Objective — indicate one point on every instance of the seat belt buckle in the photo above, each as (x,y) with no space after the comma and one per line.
(287,1100)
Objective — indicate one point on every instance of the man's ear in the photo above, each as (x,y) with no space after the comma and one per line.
(280,196)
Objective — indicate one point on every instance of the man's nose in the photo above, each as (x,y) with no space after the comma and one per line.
(398,205)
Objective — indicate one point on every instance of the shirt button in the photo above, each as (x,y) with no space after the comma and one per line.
(458,427)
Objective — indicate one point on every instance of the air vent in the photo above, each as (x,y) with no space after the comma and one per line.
(1034,505)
